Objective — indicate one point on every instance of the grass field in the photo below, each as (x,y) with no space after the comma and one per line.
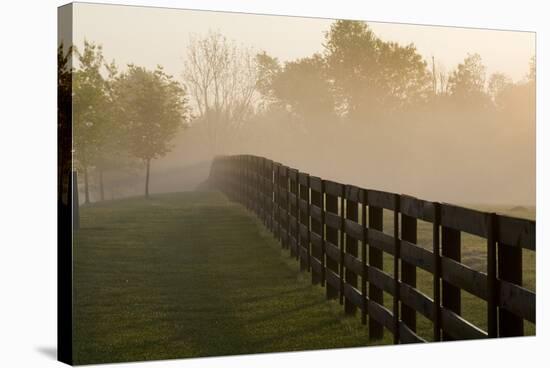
(192,274)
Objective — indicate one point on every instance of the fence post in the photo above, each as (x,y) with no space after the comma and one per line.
(250,180)
(253,185)
(351,248)
(437,272)
(376,329)
(317,227)
(283,206)
(245,181)
(396,257)
(293,214)
(262,185)
(286,208)
(341,239)
(265,192)
(303,185)
(365,274)
(409,231)
(510,268)
(450,294)
(276,200)
(331,204)
(491,277)
(256,185)
(271,193)
(258,190)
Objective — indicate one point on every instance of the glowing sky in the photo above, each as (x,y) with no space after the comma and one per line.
(149,36)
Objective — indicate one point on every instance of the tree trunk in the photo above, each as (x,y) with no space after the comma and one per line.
(101,188)
(147,178)
(86,187)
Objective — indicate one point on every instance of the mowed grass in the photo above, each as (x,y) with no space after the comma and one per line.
(190,275)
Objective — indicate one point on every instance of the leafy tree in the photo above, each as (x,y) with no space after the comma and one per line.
(405,79)
(89,114)
(351,53)
(371,76)
(113,154)
(154,107)
(467,82)
(301,86)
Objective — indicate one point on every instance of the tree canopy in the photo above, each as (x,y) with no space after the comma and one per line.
(369,75)
(90,110)
(467,82)
(153,107)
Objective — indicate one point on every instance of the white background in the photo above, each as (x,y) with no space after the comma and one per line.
(28,31)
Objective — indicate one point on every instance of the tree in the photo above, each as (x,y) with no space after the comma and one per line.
(467,81)
(517,101)
(371,76)
(89,114)
(405,79)
(153,107)
(268,69)
(113,154)
(351,55)
(497,85)
(301,86)
(221,79)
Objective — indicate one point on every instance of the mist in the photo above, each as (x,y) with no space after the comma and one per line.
(403,123)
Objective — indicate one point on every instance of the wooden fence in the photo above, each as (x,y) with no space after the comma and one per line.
(336,232)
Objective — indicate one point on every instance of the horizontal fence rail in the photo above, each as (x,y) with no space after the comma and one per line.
(338,234)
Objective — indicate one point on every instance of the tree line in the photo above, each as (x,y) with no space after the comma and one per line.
(360,77)
(129,118)
(121,119)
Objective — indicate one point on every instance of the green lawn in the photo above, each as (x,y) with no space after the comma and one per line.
(192,274)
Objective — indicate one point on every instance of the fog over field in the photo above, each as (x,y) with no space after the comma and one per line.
(444,114)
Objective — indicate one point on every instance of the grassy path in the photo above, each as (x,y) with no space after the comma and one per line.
(188,275)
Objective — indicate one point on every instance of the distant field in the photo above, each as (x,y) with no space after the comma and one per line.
(192,274)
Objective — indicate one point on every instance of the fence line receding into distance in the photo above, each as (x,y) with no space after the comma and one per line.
(337,233)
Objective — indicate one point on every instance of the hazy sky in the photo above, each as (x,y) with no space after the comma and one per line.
(465,161)
(148,36)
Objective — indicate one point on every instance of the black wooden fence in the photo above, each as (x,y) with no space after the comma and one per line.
(336,232)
